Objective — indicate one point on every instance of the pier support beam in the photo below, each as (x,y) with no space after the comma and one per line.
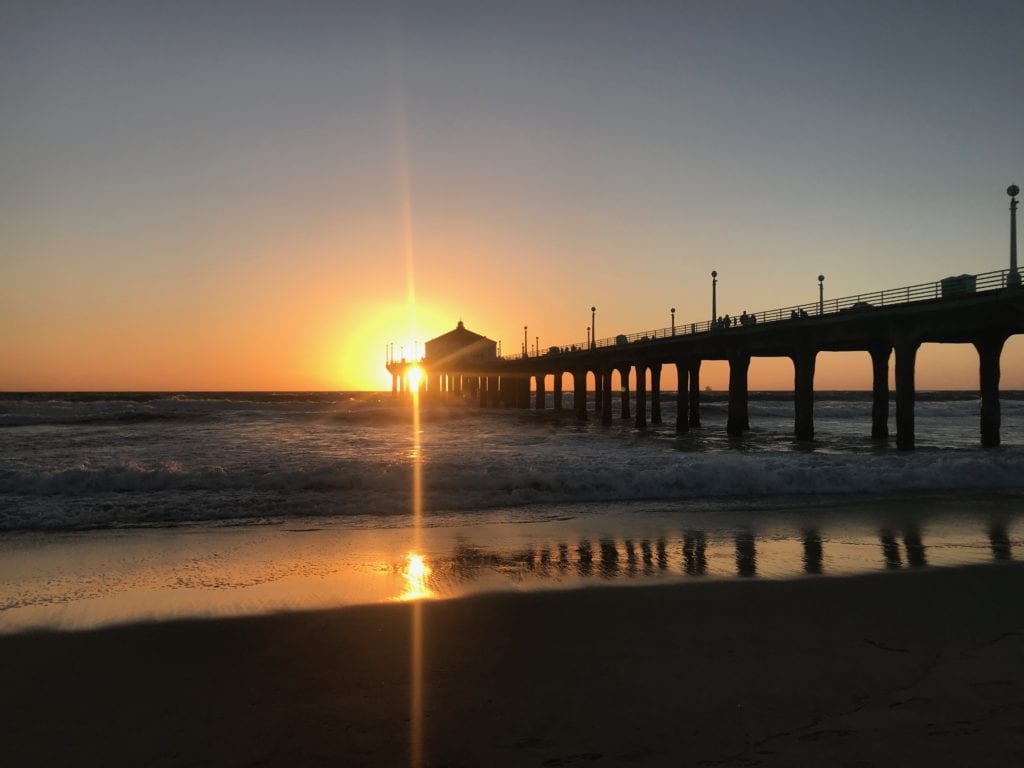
(541,396)
(989,351)
(738,421)
(606,397)
(695,392)
(493,391)
(598,390)
(624,378)
(482,391)
(641,396)
(682,395)
(880,391)
(906,359)
(556,391)
(656,393)
(523,391)
(579,394)
(803,391)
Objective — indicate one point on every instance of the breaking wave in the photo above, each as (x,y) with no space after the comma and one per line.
(90,495)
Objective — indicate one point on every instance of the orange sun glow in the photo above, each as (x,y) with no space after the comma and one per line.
(416,574)
(415,377)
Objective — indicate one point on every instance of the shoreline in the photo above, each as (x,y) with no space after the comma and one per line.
(86,580)
(919,667)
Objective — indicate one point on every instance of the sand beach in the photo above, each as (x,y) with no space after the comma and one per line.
(912,668)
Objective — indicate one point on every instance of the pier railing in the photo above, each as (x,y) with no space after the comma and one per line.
(961,285)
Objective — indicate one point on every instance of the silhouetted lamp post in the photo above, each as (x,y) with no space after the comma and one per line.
(526,352)
(821,294)
(593,327)
(536,346)
(1014,277)
(588,337)
(673,321)
(714,296)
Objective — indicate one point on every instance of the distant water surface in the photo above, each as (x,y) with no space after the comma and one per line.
(81,461)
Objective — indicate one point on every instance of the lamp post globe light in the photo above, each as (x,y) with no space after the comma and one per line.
(821,294)
(593,327)
(673,321)
(1013,278)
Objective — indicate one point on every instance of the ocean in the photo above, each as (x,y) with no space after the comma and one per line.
(119,507)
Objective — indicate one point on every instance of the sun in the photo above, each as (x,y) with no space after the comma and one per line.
(415,378)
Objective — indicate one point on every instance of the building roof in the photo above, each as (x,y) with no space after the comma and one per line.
(461,335)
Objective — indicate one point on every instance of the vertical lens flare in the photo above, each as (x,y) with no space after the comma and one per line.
(417,574)
(405,191)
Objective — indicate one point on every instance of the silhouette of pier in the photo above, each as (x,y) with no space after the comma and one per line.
(983,310)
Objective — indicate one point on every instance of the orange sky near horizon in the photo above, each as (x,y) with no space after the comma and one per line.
(349,355)
(264,318)
(265,197)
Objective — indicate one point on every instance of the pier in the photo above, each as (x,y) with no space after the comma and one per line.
(983,310)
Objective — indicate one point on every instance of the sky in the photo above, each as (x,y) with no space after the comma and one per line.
(254,196)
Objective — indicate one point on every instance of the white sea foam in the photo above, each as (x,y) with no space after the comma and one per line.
(82,464)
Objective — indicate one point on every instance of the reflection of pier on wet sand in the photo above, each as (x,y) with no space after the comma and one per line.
(742,553)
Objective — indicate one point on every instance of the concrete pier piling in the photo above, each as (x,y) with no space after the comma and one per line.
(641,396)
(803,386)
(579,393)
(906,360)
(606,399)
(682,396)
(624,388)
(655,393)
(880,354)
(989,351)
(738,420)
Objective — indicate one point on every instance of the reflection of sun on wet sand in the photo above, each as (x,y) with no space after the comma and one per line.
(916,667)
(416,574)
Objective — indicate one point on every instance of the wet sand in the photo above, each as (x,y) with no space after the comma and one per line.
(910,668)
